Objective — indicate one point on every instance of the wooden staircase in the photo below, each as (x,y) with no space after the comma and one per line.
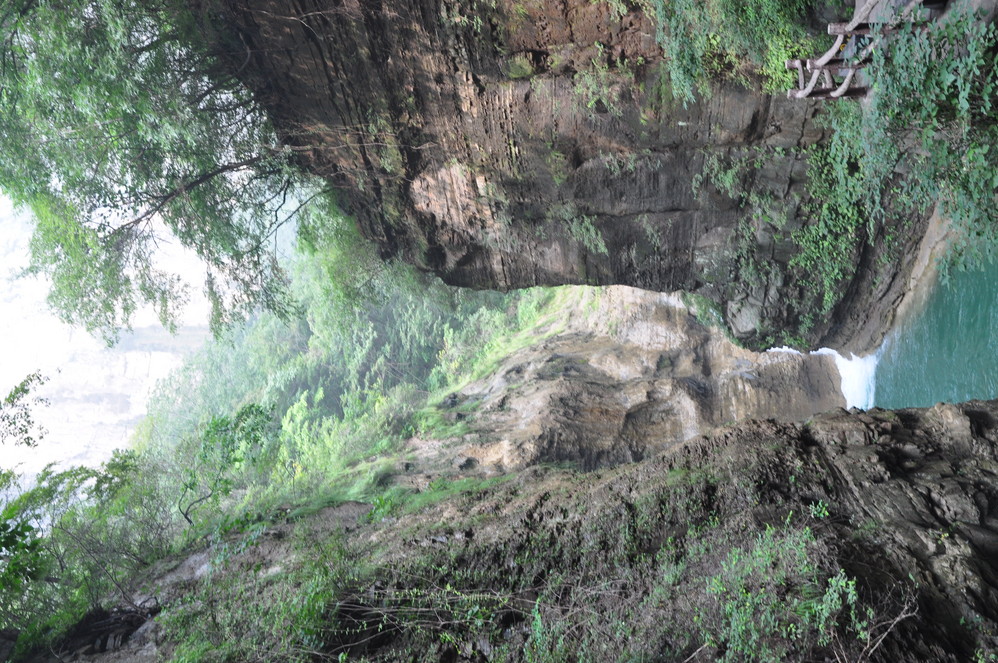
(834,75)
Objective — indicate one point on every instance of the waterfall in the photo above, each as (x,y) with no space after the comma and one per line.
(857,375)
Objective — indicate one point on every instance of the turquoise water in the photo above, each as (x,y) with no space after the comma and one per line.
(948,351)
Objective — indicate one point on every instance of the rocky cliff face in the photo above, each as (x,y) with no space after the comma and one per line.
(618,374)
(616,532)
(507,144)
(905,503)
(725,545)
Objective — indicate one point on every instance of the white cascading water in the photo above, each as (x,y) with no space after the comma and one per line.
(858,375)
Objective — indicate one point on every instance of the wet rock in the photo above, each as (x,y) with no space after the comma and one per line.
(629,374)
(8,640)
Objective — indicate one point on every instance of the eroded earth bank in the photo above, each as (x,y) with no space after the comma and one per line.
(729,544)
(575,512)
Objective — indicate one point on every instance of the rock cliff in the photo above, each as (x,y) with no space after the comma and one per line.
(508,143)
(618,374)
(723,545)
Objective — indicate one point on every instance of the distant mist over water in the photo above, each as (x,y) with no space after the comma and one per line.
(96,394)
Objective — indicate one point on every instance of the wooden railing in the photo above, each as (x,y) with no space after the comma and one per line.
(834,76)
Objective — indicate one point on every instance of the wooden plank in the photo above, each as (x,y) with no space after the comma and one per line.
(836,63)
(826,93)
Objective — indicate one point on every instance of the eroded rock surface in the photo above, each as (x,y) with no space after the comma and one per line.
(905,504)
(510,144)
(619,374)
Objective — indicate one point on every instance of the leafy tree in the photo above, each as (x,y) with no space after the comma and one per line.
(933,118)
(81,535)
(21,558)
(119,131)
(16,423)
(21,555)
(225,444)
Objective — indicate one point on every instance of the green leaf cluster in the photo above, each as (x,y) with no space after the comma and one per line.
(924,138)
(225,446)
(120,132)
(707,39)
(21,558)
(83,531)
(771,594)
(17,424)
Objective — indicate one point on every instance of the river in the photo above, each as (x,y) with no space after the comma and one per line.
(948,351)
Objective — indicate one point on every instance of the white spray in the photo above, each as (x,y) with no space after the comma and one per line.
(857,374)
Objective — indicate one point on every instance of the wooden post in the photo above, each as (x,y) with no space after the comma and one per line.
(843,29)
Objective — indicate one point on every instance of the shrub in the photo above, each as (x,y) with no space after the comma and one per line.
(924,137)
(704,39)
(771,597)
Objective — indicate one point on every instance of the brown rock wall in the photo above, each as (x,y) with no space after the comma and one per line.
(619,375)
(510,144)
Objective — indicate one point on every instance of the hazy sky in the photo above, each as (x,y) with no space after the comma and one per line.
(96,394)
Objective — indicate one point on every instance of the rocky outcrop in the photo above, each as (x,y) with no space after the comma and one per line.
(106,631)
(726,544)
(8,639)
(619,374)
(510,143)
(905,503)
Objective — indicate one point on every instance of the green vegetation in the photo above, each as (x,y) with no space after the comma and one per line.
(21,559)
(119,129)
(17,425)
(581,227)
(595,86)
(237,613)
(707,313)
(584,230)
(307,412)
(612,585)
(733,176)
(557,164)
(925,138)
(519,66)
(757,619)
(88,533)
(708,39)
(132,131)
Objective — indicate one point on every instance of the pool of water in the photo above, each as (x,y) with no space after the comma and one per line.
(946,352)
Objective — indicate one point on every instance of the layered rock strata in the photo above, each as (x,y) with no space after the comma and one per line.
(617,374)
(509,144)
